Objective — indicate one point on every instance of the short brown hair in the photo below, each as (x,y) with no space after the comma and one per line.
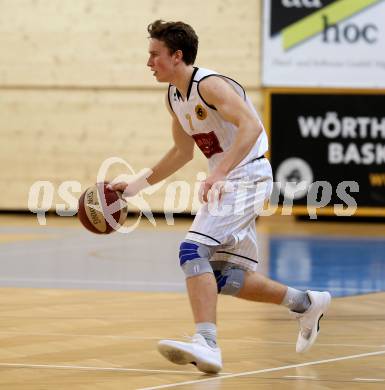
(176,36)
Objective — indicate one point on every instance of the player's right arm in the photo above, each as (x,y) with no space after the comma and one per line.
(179,155)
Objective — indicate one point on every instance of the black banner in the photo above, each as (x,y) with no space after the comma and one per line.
(334,138)
(286,12)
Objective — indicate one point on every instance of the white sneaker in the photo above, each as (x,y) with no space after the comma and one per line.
(198,352)
(309,320)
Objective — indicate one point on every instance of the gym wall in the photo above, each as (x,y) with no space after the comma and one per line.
(75,89)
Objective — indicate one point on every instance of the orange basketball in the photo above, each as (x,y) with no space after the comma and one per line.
(102,211)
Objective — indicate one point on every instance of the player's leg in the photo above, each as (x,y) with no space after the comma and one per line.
(235,280)
(308,307)
(257,287)
(194,259)
(202,290)
(253,286)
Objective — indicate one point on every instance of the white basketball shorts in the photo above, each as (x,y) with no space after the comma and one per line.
(230,225)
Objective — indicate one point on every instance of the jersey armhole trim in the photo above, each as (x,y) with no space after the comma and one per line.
(207,104)
(168,98)
(240,86)
(222,77)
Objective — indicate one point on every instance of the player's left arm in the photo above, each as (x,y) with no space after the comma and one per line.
(232,108)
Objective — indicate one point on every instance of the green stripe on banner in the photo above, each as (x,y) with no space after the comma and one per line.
(312,24)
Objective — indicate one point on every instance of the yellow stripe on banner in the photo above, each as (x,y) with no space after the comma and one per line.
(329,211)
(312,24)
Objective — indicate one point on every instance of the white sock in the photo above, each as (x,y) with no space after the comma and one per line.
(209,331)
(296,300)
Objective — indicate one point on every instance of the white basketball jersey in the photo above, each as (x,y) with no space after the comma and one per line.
(212,134)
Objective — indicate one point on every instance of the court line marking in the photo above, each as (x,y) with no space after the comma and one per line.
(319,344)
(331,288)
(265,370)
(93,281)
(158,284)
(126,337)
(369,379)
(300,377)
(13,333)
(93,368)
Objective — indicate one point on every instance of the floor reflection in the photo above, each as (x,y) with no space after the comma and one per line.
(342,266)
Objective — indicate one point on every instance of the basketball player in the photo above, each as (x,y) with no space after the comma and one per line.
(219,253)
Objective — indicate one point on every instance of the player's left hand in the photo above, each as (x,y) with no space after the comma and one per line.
(212,188)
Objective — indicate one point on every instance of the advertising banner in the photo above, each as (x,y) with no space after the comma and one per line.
(324,43)
(328,145)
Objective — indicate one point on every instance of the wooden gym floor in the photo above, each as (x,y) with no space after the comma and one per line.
(85,312)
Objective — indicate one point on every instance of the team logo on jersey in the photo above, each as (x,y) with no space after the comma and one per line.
(208,143)
(200,112)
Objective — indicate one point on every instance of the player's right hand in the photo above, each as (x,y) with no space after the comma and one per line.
(128,189)
(121,186)
(131,185)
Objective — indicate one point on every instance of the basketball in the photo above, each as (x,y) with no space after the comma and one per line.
(102,211)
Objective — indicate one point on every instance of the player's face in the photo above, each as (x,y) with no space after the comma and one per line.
(160,61)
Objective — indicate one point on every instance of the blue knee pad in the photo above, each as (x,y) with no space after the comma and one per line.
(194,258)
(229,277)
